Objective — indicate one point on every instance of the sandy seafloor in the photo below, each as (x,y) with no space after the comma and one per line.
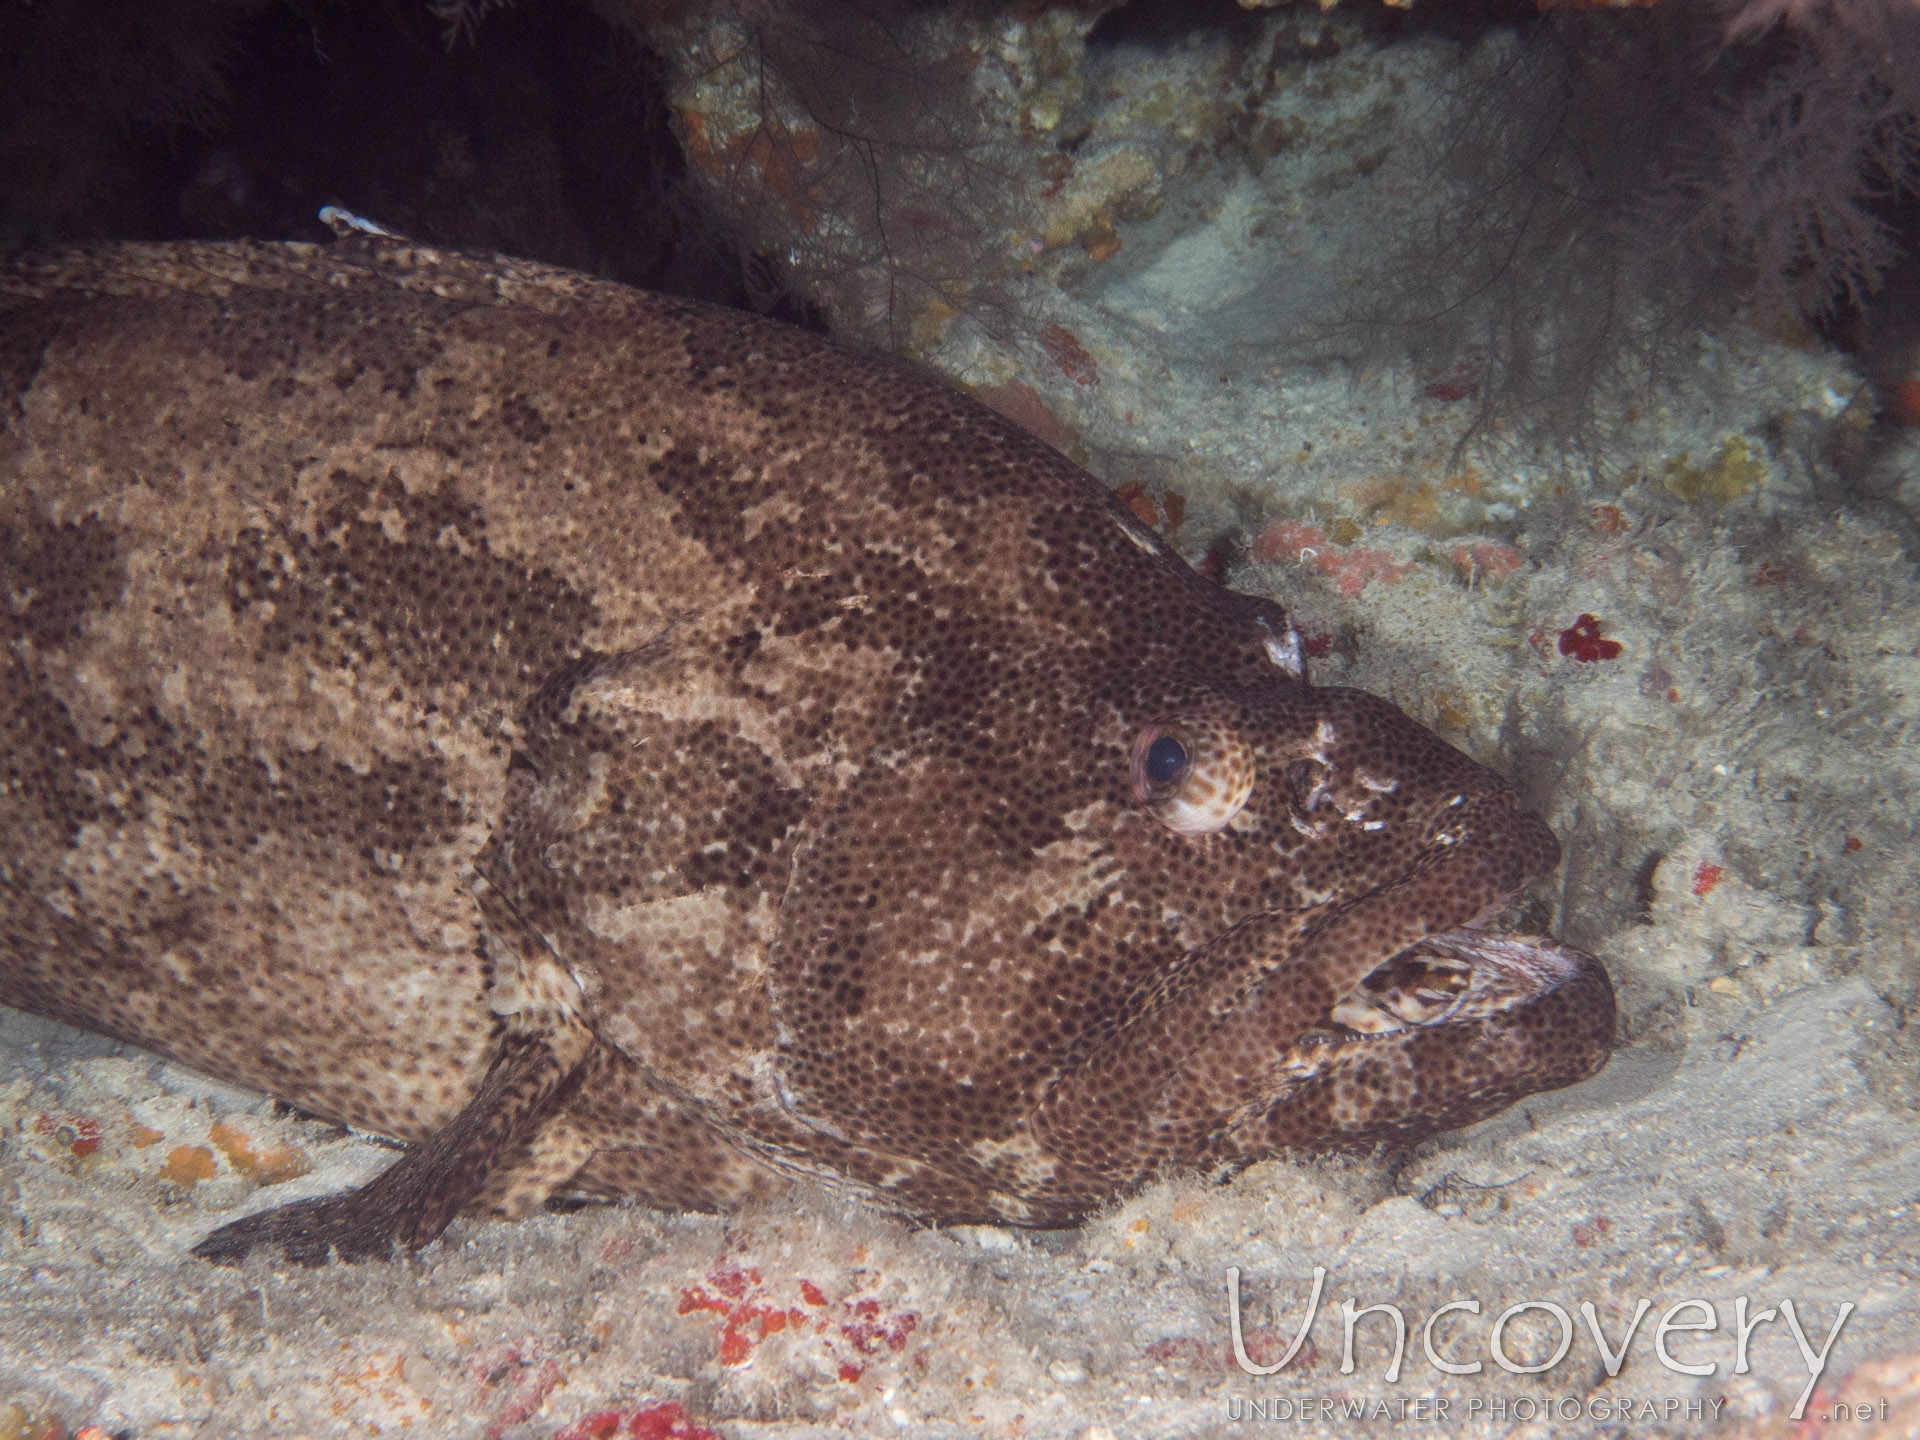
(1734,793)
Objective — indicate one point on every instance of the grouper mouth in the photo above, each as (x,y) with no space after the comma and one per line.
(1453,978)
(1458,974)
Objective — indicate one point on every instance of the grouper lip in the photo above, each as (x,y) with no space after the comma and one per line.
(1466,973)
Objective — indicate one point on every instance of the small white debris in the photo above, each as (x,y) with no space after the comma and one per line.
(986,1237)
(344,222)
(1284,650)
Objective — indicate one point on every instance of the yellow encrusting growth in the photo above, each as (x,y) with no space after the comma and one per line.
(1730,474)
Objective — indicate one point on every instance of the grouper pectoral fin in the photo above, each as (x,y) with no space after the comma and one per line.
(410,1203)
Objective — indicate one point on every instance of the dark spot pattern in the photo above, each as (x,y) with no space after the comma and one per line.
(438,605)
(523,419)
(55,576)
(695,807)
(204,826)
(23,344)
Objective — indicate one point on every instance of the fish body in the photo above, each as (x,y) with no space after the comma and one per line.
(621,747)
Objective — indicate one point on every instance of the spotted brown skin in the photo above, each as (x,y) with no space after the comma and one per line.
(622,747)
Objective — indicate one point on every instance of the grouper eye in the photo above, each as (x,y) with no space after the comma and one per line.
(1166,759)
(1193,775)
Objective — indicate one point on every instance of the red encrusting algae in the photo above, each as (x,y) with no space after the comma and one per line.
(665,1421)
(1350,570)
(850,1331)
(1584,642)
(1074,360)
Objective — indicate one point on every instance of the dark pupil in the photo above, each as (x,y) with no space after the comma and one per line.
(1166,758)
